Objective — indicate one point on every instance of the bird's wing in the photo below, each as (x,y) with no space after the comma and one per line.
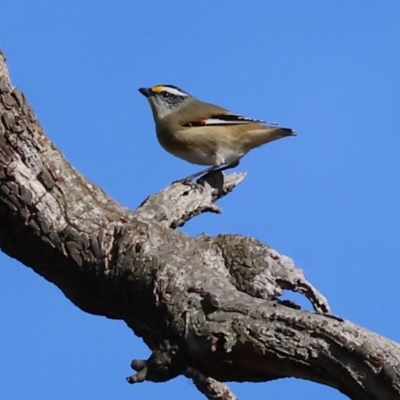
(219,118)
(228,119)
(212,115)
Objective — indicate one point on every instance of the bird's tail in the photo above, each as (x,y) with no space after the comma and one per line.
(279,132)
(269,134)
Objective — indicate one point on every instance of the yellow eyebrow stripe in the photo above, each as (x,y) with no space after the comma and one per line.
(157,89)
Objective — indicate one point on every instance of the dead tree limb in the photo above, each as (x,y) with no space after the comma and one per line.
(207,307)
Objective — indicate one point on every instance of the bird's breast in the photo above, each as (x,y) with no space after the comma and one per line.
(186,147)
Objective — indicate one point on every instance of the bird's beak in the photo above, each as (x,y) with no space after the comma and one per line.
(146,92)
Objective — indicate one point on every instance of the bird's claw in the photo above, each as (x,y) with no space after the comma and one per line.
(187,182)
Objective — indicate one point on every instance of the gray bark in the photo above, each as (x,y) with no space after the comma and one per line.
(207,307)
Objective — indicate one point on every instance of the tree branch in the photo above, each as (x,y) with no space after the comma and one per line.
(207,307)
(177,204)
(211,388)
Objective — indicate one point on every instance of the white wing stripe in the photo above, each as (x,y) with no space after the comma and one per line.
(216,121)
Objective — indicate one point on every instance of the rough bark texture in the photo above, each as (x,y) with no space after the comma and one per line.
(207,307)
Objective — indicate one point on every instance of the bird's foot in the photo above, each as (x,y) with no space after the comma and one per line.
(186,181)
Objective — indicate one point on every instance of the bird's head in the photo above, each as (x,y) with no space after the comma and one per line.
(165,99)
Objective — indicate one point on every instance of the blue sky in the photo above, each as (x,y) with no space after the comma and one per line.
(328,198)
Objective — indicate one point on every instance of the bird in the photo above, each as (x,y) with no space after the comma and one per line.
(203,133)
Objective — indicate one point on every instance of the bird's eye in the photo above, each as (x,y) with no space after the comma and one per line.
(166,94)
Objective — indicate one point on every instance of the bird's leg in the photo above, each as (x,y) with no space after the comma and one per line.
(228,166)
(204,172)
(188,179)
(217,172)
